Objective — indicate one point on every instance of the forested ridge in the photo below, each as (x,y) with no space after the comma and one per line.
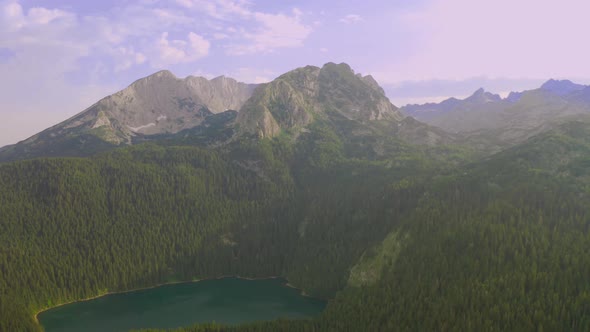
(410,240)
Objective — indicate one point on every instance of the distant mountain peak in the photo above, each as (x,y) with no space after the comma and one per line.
(552,82)
(160,103)
(561,87)
(163,73)
(481,96)
(341,66)
(479,91)
(513,96)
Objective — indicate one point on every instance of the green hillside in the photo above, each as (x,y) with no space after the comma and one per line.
(407,241)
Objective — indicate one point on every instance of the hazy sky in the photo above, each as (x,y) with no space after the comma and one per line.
(57,57)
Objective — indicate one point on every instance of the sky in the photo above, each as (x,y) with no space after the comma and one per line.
(58,57)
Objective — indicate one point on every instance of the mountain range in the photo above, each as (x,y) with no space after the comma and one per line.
(502,122)
(163,106)
(467,215)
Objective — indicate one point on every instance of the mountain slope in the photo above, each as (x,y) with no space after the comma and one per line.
(295,99)
(162,107)
(155,105)
(492,123)
(561,87)
(478,111)
(402,243)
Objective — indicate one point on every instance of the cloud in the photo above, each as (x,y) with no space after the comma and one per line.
(219,35)
(503,38)
(219,9)
(201,73)
(177,51)
(39,15)
(59,55)
(128,57)
(253,31)
(253,75)
(15,18)
(351,19)
(275,31)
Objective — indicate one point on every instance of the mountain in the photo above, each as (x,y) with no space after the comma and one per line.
(513,96)
(162,106)
(295,99)
(480,96)
(410,242)
(561,87)
(158,104)
(319,179)
(486,119)
(581,96)
(458,115)
(350,106)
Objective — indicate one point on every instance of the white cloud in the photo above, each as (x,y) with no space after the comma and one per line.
(257,32)
(127,57)
(56,54)
(40,15)
(140,58)
(180,51)
(351,18)
(201,73)
(219,36)
(253,75)
(14,17)
(185,3)
(276,31)
(219,9)
(171,17)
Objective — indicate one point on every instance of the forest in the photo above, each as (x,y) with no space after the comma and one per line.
(417,239)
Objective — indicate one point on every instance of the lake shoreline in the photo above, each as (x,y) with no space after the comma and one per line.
(285,284)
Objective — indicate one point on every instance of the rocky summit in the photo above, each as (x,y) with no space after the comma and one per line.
(162,104)
(294,99)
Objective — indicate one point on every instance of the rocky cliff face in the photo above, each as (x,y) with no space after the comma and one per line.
(296,98)
(160,103)
(164,106)
(287,102)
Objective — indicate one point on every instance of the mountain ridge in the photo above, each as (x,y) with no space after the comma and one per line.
(498,122)
(162,104)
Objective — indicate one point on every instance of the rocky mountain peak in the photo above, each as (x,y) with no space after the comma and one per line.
(481,96)
(561,87)
(513,97)
(294,99)
(355,96)
(162,104)
(157,104)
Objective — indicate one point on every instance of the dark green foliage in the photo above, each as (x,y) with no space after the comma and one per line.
(81,145)
(501,244)
(75,228)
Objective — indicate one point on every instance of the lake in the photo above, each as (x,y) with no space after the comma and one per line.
(227,300)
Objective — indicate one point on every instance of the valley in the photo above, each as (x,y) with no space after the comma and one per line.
(315,177)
